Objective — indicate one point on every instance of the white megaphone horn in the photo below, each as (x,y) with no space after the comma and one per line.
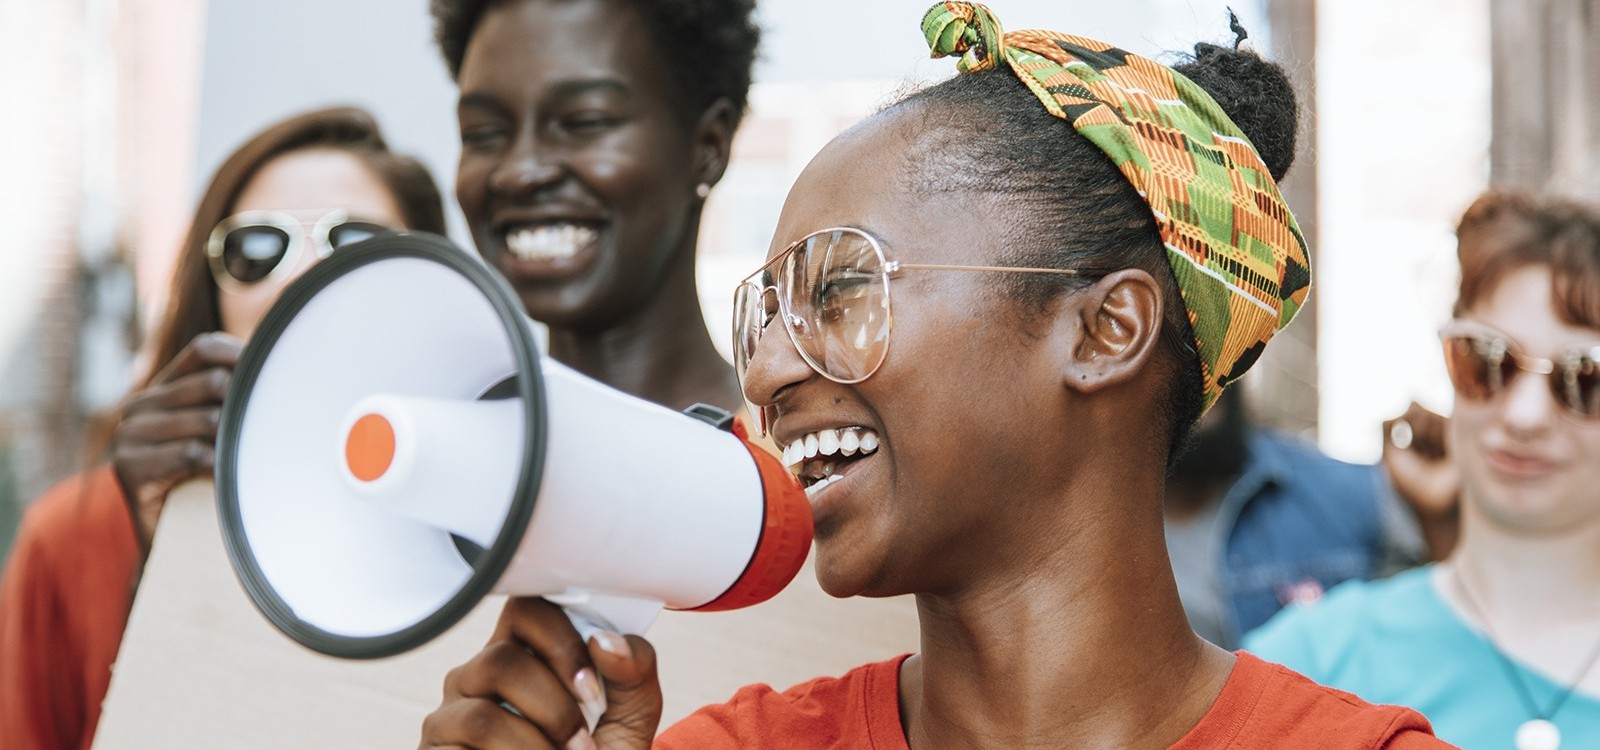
(393,447)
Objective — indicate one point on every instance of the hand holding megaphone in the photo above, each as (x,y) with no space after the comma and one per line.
(557,686)
(394,447)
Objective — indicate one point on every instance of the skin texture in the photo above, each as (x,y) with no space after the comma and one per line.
(1049,615)
(168,431)
(1530,536)
(567,115)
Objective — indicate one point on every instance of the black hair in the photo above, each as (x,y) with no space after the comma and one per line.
(1072,207)
(709,46)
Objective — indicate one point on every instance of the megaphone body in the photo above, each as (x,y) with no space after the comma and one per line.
(393,447)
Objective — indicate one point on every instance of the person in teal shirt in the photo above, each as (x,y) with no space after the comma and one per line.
(1397,641)
(1497,645)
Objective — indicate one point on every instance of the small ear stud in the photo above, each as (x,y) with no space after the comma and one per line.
(702,190)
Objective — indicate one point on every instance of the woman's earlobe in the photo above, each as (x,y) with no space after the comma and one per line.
(1121,318)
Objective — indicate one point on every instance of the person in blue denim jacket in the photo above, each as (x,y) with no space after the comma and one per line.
(1257,519)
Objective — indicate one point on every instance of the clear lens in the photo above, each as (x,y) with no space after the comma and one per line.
(839,304)
(835,307)
(249,254)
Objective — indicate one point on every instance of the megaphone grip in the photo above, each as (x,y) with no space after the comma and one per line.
(785,535)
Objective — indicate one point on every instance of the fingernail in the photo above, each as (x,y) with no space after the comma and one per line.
(581,741)
(614,644)
(591,696)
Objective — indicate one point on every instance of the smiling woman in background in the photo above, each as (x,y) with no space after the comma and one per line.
(592,132)
(288,197)
(1498,644)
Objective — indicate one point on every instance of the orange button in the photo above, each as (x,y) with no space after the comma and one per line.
(369,449)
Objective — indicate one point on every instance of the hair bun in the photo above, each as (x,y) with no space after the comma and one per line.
(1257,96)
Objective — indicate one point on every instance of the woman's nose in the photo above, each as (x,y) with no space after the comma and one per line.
(775,364)
(527,167)
(1529,406)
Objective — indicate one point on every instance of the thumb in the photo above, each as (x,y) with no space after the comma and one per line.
(627,666)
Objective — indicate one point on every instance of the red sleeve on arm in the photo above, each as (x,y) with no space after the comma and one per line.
(64,598)
(38,703)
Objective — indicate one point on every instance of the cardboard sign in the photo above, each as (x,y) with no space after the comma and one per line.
(200,667)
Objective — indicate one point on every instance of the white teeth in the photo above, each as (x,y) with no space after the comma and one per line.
(844,441)
(550,241)
(815,488)
(828,442)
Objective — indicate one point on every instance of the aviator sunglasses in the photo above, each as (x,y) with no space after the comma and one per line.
(250,247)
(1482,364)
(830,290)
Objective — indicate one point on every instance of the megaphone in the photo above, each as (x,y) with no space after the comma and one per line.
(393,447)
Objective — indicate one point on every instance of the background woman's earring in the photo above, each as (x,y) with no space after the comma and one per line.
(702,190)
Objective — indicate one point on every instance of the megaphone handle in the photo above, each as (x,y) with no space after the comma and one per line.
(592,612)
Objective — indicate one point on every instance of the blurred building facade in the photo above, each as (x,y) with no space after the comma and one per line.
(86,165)
(1546,115)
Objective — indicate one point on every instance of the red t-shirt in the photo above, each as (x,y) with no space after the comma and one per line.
(1263,705)
(64,601)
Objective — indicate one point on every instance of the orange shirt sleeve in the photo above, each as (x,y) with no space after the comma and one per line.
(64,598)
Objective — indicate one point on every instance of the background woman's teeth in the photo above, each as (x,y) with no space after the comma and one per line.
(811,445)
(869,442)
(550,241)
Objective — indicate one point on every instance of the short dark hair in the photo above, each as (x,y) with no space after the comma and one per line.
(1073,208)
(708,45)
(1506,230)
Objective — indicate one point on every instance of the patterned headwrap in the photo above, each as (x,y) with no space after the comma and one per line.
(1235,249)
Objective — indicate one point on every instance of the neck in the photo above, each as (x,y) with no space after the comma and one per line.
(1089,649)
(1525,578)
(661,352)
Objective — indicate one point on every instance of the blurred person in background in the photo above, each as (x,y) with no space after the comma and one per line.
(1256,519)
(592,132)
(1061,228)
(289,196)
(1498,643)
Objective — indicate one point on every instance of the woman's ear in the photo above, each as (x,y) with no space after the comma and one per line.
(713,142)
(1119,321)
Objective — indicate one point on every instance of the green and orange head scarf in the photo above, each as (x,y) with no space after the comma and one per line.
(1233,245)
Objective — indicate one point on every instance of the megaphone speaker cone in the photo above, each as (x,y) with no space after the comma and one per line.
(393,448)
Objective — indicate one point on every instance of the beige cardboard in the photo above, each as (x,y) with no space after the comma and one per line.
(201,668)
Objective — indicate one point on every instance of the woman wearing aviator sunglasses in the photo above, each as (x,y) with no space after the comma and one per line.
(292,194)
(1498,643)
(990,313)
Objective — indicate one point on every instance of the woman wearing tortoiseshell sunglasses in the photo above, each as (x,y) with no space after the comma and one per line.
(1498,643)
